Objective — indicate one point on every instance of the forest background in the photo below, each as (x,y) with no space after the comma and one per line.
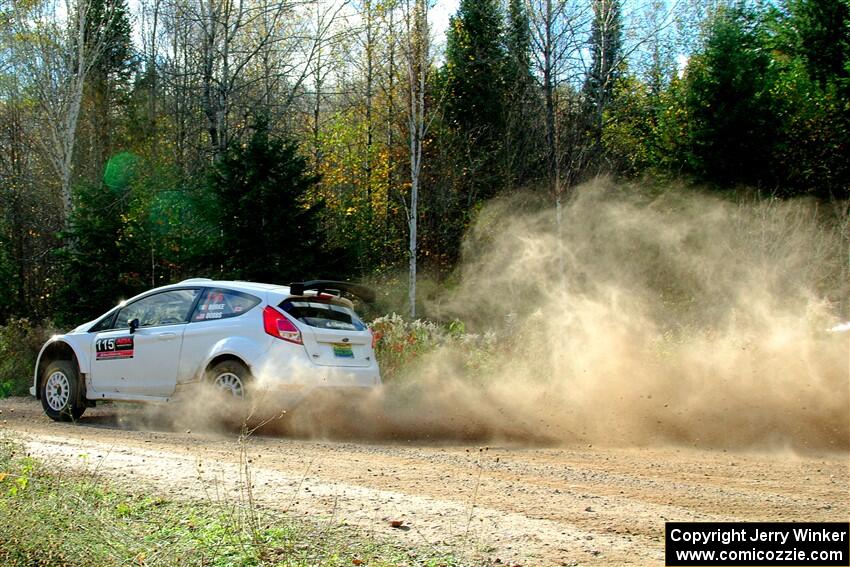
(284,140)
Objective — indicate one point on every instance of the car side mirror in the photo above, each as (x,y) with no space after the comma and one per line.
(134,324)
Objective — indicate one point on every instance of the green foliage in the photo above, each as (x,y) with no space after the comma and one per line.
(672,130)
(141,228)
(814,136)
(729,102)
(477,147)
(474,84)
(108,85)
(108,24)
(749,111)
(763,101)
(475,69)
(523,152)
(20,342)
(8,279)
(360,214)
(258,200)
(167,214)
(812,94)
(606,62)
(518,43)
(102,259)
(820,32)
(28,215)
(631,127)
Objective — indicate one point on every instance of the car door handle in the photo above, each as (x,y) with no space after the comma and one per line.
(166,336)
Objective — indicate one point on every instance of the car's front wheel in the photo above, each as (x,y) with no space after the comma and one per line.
(60,392)
(230,377)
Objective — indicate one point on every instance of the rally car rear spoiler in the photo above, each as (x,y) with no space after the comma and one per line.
(357,290)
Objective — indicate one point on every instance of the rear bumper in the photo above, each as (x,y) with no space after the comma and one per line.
(286,381)
(282,371)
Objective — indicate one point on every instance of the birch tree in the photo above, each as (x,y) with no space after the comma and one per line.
(556,46)
(418,56)
(54,55)
(322,64)
(226,52)
(606,49)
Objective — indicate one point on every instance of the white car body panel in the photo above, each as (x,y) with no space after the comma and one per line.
(156,361)
(153,369)
(198,357)
(79,344)
(319,344)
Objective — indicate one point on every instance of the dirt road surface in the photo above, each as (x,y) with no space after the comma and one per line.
(488,504)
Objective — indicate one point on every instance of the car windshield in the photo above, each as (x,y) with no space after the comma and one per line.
(323,315)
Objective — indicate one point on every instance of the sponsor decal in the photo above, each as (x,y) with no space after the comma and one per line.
(114,347)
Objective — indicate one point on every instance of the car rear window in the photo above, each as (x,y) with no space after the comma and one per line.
(223,304)
(323,315)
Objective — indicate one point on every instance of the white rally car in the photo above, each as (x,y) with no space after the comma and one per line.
(238,337)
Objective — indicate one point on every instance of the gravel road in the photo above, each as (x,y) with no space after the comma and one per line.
(489,503)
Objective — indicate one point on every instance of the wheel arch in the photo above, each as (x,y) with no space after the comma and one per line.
(241,349)
(51,352)
(223,357)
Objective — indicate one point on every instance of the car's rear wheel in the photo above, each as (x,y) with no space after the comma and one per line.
(60,392)
(230,377)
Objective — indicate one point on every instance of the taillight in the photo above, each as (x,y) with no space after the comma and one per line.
(279,326)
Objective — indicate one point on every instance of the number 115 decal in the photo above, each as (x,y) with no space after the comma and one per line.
(114,347)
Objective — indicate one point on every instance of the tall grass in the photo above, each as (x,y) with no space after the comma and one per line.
(54,517)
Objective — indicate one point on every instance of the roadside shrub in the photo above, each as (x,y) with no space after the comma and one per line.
(399,343)
(20,341)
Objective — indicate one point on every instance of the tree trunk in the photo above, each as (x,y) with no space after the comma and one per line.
(417,71)
(549,94)
(369,129)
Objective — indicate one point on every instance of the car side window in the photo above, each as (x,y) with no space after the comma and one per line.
(223,304)
(165,308)
(104,324)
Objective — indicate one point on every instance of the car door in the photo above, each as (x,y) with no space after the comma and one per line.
(220,314)
(146,361)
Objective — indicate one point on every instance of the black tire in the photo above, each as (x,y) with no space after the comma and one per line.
(230,378)
(61,396)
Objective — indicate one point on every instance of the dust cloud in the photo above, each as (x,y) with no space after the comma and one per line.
(645,317)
